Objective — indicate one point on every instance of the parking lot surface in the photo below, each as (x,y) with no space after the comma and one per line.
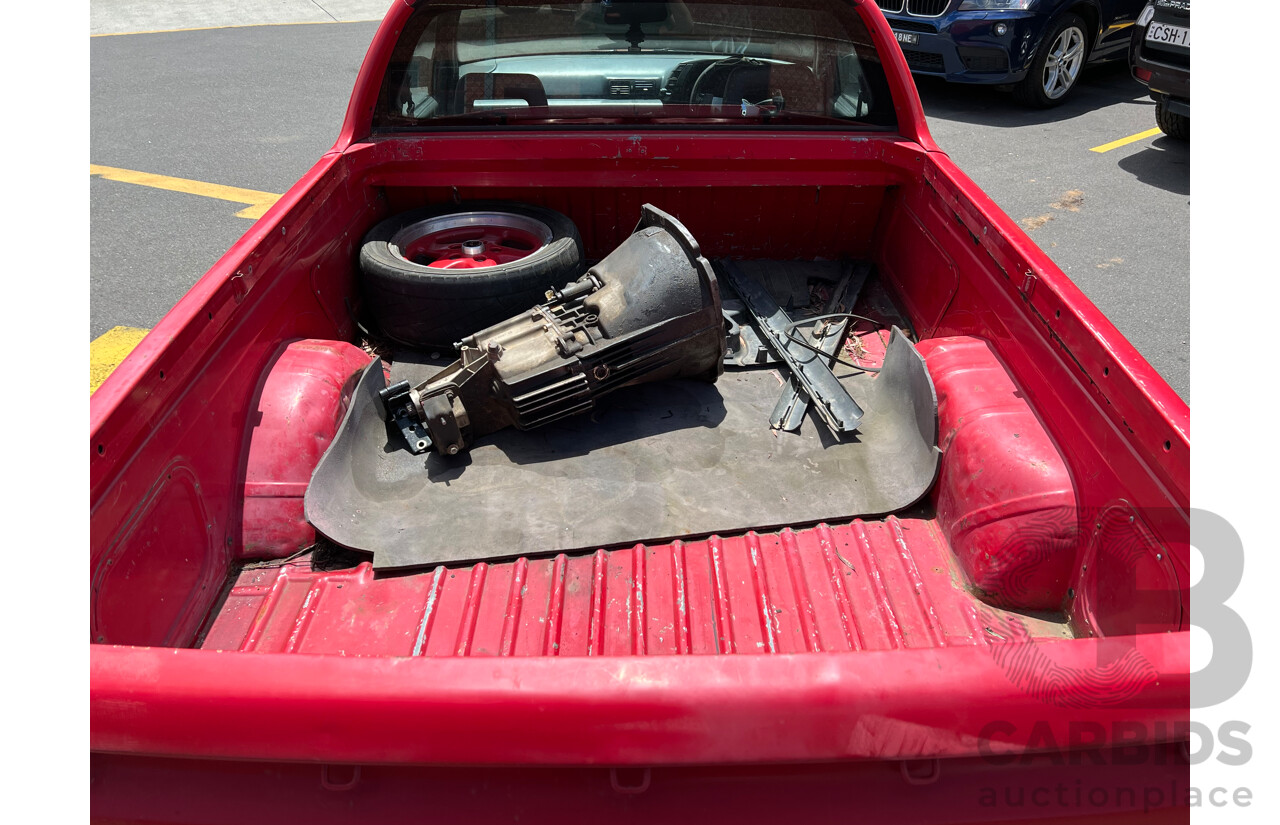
(198,123)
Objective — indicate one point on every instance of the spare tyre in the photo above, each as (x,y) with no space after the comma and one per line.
(433,276)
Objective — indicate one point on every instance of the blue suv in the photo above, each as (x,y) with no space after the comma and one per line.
(1038,47)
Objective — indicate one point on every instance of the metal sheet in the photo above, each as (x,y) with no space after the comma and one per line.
(673,459)
(565,606)
(793,403)
(830,399)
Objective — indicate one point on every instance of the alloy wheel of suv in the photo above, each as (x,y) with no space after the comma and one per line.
(1057,65)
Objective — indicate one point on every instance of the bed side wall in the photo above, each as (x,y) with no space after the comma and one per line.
(167,439)
(961,268)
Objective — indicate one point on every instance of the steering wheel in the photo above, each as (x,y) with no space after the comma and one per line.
(731,81)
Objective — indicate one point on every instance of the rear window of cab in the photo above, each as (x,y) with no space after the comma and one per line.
(517,64)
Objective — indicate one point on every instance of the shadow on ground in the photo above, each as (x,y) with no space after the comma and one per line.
(1164,163)
(1100,86)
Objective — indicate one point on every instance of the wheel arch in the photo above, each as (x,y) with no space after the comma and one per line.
(1024,91)
(1087,9)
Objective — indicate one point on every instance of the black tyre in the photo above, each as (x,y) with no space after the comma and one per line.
(1057,66)
(433,276)
(1172,124)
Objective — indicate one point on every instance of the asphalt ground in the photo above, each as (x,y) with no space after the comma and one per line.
(119,16)
(252,107)
(1118,222)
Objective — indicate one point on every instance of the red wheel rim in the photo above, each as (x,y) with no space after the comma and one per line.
(470,240)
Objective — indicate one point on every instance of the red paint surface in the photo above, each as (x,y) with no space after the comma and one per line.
(443,249)
(153,582)
(629,710)
(881,585)
(467,263)
(303,398)
(892,790)
(803,222)
(167,467)
(1005,497)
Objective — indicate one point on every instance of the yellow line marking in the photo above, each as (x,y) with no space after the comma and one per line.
(254,212)
(1116,144)
(240,26)
(108,350)
(259,202)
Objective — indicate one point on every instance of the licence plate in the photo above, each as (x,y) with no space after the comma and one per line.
(1169,35)
(910,38)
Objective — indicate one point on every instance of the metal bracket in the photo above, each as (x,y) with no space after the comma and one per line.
(743,348)
(446,433)
(398,407)
(788,413)
(832,402)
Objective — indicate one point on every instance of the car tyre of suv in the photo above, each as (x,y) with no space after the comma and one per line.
(1172,124)
(432,276)
(1064,49)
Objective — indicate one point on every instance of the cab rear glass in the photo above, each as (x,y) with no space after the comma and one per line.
(516,64)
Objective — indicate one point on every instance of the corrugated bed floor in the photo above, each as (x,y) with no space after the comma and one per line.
(864,585)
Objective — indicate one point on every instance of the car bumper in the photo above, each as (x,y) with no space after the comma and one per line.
(1167,74)
(965,47)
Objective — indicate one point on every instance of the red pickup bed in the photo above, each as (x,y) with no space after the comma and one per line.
(1023,627)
